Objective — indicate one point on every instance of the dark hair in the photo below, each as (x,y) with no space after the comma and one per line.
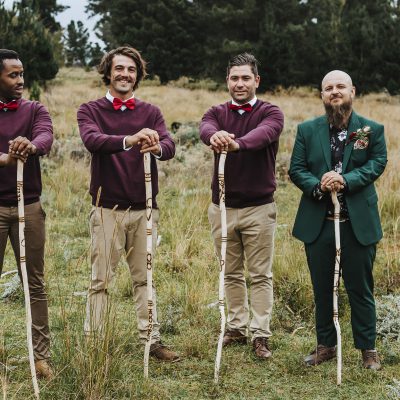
(243,59)
(104,67)
(6,54)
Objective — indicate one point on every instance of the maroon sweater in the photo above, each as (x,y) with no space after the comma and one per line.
(31,120)
(250,172)
(118,172)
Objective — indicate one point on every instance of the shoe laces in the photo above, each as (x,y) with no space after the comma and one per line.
(261,341)
(371,354)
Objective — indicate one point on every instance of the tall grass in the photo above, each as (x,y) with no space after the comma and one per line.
(186,272)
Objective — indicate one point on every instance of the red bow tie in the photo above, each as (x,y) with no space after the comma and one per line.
(118,103)
(245,107)
(12,105)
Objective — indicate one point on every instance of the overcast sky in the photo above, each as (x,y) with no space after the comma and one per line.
(75,12)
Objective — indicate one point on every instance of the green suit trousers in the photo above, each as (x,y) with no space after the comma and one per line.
(356,269)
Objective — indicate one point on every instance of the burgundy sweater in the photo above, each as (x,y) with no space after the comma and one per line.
(31,120)
(249,172)
(119,172)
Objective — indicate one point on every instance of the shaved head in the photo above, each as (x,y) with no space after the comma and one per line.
(337,95)
(336,75)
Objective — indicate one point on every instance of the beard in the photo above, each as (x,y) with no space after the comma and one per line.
(338,114)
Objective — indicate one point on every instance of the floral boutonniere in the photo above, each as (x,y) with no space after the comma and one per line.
(360,138)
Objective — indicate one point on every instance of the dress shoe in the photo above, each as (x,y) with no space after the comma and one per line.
(320,354)
(234,337)
(261,348)
(162,353)
(43,370)
(371,359)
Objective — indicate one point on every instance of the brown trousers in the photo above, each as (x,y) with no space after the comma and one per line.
(34,246)
(250,236)
(113,233)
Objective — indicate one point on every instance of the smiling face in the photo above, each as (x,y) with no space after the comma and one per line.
(337,89)
(122,77)
(11,80)
(242,83)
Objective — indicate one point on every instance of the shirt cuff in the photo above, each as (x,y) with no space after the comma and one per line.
(317,192)
(124,145)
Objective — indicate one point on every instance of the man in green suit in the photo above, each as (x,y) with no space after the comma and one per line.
(345,152)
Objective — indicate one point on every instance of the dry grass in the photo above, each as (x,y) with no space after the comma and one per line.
(187,272)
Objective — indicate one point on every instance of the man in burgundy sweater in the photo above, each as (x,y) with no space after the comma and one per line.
(26,133)
(117,130)
(249,129)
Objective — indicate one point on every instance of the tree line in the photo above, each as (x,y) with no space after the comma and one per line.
(296,41)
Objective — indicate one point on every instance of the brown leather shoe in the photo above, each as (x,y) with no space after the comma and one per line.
(371,359)
(234,337)
(43,370)
(261,348)
(319,355)
(162,353)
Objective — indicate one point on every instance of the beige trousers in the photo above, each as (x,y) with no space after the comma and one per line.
(114,233)
(250,237)
(35,237)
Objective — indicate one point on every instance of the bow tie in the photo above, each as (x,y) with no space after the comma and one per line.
(245,107)
(12,105)
(118,103)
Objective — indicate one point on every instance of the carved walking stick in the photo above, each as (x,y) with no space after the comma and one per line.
(336,286)
(149,248)
(221,293)
(22,261)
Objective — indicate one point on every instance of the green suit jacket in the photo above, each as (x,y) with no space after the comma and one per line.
(311,158)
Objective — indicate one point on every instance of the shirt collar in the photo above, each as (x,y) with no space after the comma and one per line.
(251,102)
(110,98)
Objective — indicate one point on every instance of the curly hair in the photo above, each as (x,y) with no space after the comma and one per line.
(243,59)
(104,67)
(6,54)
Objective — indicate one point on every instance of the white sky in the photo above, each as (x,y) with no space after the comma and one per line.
(75,12)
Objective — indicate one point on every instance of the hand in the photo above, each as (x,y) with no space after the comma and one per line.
(145,136)
(21,147)
(8,159)
(156,149)
(332,181)
(223,141)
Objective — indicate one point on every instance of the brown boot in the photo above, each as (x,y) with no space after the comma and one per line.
(234,337)
(371,359)
(43,370)
(319,355)
(261,348)
(162,353)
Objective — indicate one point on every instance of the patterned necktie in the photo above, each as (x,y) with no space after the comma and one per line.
(12,105)
(118,103)
(245,107)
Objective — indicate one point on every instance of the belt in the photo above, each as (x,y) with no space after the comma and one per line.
(340,219)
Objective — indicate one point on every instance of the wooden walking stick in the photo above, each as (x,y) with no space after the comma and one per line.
(336,280)
(221,293)
(22,261)
(149,261)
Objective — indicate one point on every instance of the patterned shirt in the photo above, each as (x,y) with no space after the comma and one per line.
(337,139)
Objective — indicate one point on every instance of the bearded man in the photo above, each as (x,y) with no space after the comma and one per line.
(345,152)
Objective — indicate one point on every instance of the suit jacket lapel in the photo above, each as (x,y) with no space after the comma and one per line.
(323,133)
(354,124)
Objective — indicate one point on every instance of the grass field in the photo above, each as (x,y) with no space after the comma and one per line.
(186,272)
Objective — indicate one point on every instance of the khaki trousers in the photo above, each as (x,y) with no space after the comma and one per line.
(113,233)
(250,236)
(35,237)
